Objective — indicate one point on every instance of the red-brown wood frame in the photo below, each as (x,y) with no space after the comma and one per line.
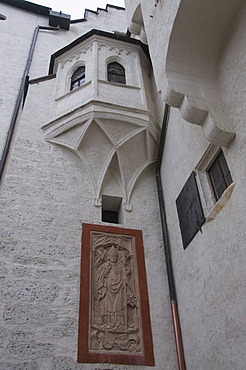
(84,356)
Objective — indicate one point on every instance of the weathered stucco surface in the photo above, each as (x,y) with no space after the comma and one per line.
(46,195)
(46,192)
(210,273)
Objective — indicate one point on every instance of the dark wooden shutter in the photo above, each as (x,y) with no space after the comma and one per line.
(190,211)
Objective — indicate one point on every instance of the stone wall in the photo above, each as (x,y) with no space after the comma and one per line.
(45,197)
(210,273)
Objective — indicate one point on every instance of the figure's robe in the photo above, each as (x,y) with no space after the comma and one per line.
(111,288)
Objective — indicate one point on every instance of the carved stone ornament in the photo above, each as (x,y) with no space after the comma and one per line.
(116,49)
(75,56)
(120,136)
(114,314)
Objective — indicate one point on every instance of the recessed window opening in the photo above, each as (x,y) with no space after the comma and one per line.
(219,175)
(111,209)
(116,73)
(78,78)
(2,17)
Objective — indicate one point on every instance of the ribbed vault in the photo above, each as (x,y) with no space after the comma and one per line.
(114,149)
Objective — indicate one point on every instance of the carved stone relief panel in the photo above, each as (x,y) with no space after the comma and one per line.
(114,323)
(115,320)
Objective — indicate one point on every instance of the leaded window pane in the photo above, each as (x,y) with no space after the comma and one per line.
(78,78)
(219,175)
(116,73)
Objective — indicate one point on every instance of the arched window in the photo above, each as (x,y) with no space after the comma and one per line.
(116,73)
(78,78)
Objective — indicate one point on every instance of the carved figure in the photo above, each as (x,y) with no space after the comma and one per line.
(115,321)
(113,291)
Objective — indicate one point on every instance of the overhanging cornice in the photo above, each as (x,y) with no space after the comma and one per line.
(88,35)
(28,6)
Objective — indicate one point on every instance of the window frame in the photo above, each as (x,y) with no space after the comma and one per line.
(111,210)
(118,78)
(211,206)
(221,171)
(80,79)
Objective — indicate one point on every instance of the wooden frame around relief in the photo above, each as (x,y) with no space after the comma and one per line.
(114,318)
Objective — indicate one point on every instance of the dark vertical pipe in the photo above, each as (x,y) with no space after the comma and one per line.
(21,93)
(167,248)
(18,104)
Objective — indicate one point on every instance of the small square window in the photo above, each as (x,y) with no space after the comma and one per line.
(219,175)
(110,216)
(111,209)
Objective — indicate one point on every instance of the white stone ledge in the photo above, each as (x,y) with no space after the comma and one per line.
(215,134)
(190,112)
(73,91)
(172,97)
(119,85)
(221,203)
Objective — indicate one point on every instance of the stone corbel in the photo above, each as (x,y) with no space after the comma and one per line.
(135,28)
(191,112)
(143,36)
(118,134)
(213,121)
(215,134)
(171,97)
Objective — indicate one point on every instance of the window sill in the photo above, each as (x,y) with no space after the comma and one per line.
(72,91)
(119,85)
(221,203)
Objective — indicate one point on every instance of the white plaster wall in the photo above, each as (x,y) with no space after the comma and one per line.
(210,273)
(158,22)
(45,197)
(50,42)
(16,33)
(44,200)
